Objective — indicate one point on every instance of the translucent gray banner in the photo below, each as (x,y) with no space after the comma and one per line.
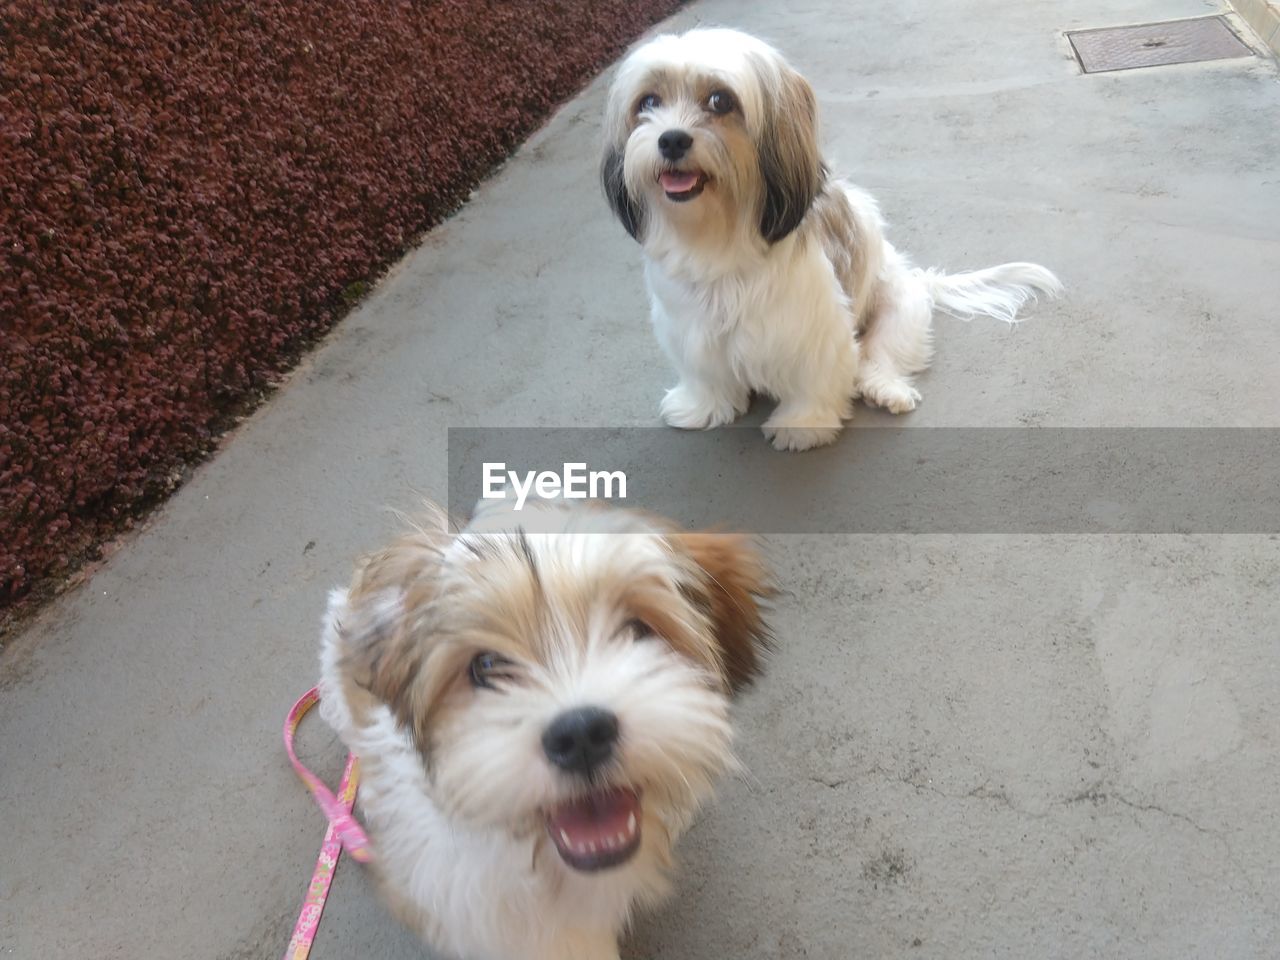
(895,480)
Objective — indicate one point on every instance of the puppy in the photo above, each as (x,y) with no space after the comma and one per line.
(540,703)
(766,273)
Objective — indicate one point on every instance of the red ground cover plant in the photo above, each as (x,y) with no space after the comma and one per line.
(187,190)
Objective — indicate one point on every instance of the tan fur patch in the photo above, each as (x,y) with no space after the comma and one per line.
(382,652)
(853,243)
(415,620)
(735,582)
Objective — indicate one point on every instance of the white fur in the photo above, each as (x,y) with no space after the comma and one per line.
(829,312)
(478,889)
(459,840)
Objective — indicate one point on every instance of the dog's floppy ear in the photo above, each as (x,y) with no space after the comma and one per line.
(383,649)
(380,654)
(624,205)
(790,163)
(735,582)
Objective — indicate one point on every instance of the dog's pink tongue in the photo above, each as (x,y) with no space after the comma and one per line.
(676,182)
(603,820)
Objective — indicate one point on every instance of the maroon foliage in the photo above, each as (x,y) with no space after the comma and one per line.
(186,189)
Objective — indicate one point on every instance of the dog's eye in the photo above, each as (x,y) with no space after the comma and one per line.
(488,669)
(721,102)
(650,101)
(638,629)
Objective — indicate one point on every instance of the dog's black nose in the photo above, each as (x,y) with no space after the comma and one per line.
(674,144)
(581,740)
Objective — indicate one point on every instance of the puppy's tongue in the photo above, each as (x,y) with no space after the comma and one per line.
(599,830)
(678,182)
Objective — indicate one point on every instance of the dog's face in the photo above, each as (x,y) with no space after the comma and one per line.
(564,672)
(710,129)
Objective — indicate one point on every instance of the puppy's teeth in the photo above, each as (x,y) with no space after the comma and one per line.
(565,837)
(621,839)
(591,848)
(631,824)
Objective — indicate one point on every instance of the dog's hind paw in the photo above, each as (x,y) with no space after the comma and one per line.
(896,396)
(796,439)
(689,409)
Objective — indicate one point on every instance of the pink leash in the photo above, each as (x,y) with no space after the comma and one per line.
(343,830)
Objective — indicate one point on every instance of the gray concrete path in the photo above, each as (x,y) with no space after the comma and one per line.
(968,747)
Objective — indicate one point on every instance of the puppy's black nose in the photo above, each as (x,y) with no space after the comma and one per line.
(581,740)
(674,144)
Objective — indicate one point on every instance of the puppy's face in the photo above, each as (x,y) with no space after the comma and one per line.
(711,127)
(565,675)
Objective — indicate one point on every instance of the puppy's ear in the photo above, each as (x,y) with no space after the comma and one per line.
(380,654)
(790,162)
(735,582)
(382,643)
(624,205)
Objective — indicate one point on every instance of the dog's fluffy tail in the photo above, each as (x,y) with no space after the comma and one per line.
(998,292)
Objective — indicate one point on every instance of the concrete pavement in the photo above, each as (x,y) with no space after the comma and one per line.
(967,746)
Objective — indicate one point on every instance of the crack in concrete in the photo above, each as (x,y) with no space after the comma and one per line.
(1097,794)
(830,784)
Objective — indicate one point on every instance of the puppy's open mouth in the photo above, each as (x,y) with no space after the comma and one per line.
(597,831)
(681,185)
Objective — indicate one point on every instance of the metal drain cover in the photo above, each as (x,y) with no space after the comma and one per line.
(1156,44)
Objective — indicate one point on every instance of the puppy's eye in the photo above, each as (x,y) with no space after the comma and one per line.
(650,101)
(487,670)
(721,102)
(638,629)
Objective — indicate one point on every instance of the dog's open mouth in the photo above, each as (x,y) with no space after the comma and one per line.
(681,185)
(597,831)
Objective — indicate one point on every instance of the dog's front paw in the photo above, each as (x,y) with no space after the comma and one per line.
(691,409)
(799,438)
(896,395)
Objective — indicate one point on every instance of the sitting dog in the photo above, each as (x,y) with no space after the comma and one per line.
(766,273)
(540,703)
